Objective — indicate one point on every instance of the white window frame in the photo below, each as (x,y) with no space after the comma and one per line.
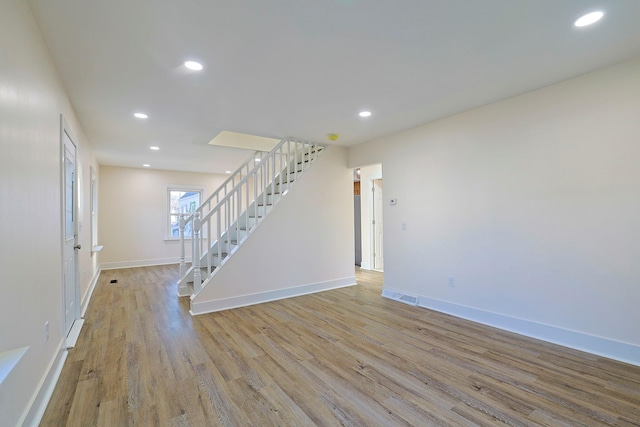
(93,200)
(169,214)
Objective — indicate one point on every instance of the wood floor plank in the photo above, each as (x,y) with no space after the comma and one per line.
(113,413)
(61,401)
(86,403)
(341,357)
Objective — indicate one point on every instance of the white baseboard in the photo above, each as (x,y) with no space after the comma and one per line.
(140,263)
(258,298)
(606,347)
(38,404)
(87,296)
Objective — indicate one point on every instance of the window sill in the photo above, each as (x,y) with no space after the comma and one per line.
(9,360)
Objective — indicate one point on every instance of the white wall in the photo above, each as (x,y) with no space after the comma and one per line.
(367,173)
(31,101)
(133,219)
(532,204)
(304,245)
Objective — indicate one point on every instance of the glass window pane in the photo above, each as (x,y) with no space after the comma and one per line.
(181,201)
(68,199)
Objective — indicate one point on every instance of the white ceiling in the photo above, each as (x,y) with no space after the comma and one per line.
(300,68)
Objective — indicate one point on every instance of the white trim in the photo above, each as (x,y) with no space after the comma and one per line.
(40,399)
(368,187)
(93,209)
(601,346)
(141,263)
(87,295)
(258,298)
(365,265)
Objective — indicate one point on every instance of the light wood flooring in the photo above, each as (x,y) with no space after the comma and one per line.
(341,357)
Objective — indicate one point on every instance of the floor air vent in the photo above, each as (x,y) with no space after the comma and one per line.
(398,296)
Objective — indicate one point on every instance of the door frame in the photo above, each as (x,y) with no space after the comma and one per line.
(65,129)
(370,207)
(375,226)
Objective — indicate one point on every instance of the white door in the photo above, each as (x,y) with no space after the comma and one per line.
(378,255)
(69,213)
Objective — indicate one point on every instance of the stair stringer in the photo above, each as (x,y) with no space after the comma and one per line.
(304,245)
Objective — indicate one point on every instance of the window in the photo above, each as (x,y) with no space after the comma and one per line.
(181,200)
(94,211)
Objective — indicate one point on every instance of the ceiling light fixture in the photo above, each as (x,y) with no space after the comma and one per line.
(146,165)
(154,148)
(257,159)
(227,171)
(364,113)
(193,65)
(588,19)
(141,115)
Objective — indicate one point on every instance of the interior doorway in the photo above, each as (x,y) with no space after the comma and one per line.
(368,211)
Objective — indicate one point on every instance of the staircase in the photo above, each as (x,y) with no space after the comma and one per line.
(228,217)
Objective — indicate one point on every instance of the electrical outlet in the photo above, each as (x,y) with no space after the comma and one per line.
(452,282)
(404,225)
(46,330)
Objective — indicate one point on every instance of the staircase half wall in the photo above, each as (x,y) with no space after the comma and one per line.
(304,245)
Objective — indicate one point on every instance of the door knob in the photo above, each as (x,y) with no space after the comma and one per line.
(77,247)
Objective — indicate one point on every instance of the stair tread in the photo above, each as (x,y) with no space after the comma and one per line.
(223,255)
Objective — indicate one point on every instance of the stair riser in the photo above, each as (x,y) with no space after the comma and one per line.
(247,223)
(237,234)
(227,247)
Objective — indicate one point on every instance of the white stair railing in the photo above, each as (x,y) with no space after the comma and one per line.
(214,199)
(218,232)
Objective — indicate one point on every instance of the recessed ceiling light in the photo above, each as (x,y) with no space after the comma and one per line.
(141,115)
(154,148)
(193,65)
(227,171)
(257,159)
(364,113)
(146,165)
(589,18)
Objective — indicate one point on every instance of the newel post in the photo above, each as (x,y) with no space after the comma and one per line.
(183,264)
(195,262)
